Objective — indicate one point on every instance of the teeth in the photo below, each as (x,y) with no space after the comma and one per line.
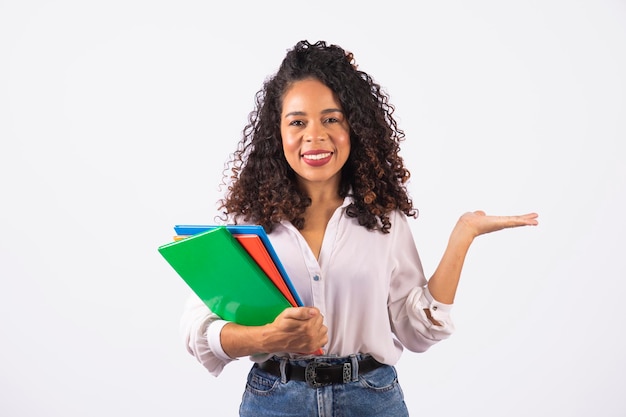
(317,156)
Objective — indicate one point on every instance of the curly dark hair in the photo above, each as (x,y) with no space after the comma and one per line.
(263,187)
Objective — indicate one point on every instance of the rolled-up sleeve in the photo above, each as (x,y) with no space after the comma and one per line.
(200,329)
(418,303)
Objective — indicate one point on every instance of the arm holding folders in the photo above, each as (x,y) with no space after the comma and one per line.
(250,246)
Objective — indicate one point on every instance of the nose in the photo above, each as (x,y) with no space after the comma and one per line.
(315,131)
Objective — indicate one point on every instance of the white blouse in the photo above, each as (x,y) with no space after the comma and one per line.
(369,286)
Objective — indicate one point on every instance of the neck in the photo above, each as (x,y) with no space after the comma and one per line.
(322,193)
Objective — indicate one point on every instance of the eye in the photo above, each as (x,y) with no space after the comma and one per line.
(296,123)
(332,117)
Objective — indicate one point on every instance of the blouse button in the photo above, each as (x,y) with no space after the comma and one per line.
(316,278)
(435,308)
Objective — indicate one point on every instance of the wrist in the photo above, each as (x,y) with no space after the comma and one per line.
(238,340)
(462,235)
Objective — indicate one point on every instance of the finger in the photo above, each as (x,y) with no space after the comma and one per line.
(301,313)
(529,218)
(522,218)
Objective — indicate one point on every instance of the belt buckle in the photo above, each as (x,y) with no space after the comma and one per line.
(310,373)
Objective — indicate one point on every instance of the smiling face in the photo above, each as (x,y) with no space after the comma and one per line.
(315,134)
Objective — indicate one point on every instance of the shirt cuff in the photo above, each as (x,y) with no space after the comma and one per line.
(435,305)
(213,337)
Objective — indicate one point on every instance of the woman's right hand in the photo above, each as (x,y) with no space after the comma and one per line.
(296,329)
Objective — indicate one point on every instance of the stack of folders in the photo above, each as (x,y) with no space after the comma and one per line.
(234,270)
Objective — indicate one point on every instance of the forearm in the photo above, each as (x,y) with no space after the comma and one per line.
(238,341)
(444,282)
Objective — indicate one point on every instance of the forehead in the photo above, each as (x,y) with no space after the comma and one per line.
(309,93)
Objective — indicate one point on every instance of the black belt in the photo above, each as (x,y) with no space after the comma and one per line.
(318,374)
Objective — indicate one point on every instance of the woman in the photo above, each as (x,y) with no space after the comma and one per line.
(319,167)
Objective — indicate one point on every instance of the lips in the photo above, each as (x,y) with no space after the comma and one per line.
(317,158)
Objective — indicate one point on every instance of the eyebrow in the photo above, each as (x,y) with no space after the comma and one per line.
(301,113)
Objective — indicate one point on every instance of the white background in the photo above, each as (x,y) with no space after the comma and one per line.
(116,119)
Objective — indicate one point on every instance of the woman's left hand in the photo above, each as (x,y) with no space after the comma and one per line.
(476,223)
(444,282)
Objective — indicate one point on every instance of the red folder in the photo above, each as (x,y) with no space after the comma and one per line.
(253,245)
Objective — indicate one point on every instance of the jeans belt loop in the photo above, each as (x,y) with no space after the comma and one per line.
(355,369)
(283,370)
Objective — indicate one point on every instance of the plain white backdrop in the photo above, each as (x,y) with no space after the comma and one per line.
(116,119)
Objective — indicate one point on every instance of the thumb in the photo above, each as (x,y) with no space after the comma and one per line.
(303,313)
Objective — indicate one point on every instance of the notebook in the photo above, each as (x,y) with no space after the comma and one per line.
(183,230)
(225,277)
(256,249)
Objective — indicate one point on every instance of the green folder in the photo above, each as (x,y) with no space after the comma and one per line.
(225,277)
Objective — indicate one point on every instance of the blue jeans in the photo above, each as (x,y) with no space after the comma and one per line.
(376,393)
